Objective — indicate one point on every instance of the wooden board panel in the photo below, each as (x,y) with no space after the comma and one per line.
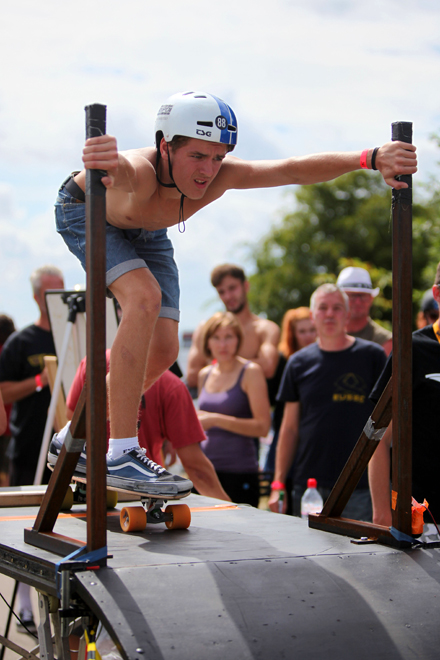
(22,496)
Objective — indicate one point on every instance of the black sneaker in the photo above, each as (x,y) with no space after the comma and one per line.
(135,471)
(54,451)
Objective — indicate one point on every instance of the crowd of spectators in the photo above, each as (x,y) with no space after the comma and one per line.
(309,387)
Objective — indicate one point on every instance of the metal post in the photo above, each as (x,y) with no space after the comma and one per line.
(96,431)
(402,343)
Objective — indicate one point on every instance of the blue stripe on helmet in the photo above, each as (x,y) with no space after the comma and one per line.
(227,137)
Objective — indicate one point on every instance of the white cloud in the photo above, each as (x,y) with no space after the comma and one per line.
(302,77)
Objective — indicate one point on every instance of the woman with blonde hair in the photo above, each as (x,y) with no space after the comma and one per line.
(234,409)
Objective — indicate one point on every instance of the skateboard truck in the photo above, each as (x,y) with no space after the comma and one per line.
(154,511)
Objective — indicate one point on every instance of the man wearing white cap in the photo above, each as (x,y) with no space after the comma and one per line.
(356,282)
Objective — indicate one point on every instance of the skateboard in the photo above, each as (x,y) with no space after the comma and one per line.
(151,510)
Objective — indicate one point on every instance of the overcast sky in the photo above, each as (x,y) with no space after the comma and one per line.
(302,76)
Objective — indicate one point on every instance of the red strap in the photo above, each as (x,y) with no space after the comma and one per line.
(364,155)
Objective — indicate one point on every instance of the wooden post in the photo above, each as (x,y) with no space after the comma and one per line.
(90,417)
(96,411)
(402,343)
(399,404)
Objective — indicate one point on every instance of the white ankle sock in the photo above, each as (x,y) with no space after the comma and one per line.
(119,446)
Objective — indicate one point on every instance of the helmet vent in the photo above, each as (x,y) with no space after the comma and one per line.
(187,93)
(200,97)
(231,128)
(205,123)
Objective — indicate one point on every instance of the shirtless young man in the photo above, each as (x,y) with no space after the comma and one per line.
(260,336)
(152,188)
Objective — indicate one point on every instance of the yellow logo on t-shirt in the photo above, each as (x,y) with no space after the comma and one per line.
(350,387)
(37,360)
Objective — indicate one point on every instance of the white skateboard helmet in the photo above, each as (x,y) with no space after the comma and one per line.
(196,115)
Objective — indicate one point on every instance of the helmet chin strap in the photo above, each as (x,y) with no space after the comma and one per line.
(171,185)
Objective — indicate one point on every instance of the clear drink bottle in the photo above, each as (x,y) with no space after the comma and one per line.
(311,501)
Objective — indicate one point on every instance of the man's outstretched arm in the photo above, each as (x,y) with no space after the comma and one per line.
(392,159)
(128,172)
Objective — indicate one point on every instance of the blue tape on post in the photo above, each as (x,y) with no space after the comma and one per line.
(89,557)
(400,536)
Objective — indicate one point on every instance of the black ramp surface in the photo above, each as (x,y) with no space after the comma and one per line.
(243,583)
(246,584)
(317,608)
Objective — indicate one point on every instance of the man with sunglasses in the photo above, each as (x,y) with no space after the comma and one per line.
(356,283)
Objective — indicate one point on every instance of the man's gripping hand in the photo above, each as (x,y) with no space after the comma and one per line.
(396,158)
(101,153)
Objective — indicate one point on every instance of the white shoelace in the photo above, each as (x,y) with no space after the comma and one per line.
(141,454)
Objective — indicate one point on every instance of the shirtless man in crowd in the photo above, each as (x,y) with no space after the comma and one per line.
(152,188)
(260,336)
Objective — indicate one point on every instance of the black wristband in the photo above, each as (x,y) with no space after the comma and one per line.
(373,158)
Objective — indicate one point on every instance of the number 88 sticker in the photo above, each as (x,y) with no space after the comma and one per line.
(221,122)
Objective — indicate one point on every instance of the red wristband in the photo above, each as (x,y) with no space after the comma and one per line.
(364,155)
(277,485)
(39,383)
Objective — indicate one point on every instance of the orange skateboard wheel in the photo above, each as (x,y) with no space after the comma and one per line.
(180,514)
(133,519)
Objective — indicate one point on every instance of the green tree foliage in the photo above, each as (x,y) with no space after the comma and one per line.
(335,224)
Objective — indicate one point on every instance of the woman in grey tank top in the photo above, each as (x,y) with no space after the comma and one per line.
(234,409)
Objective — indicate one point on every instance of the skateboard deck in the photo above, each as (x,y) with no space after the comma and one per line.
(151,510)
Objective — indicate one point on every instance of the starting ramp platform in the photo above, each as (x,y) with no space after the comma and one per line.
(241,583)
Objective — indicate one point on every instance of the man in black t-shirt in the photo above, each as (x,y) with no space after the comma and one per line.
(325,388)
(23,381)
(426,444)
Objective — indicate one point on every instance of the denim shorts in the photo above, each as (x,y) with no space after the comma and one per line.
(126,250)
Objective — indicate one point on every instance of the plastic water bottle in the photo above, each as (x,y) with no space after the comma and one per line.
(311,501)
